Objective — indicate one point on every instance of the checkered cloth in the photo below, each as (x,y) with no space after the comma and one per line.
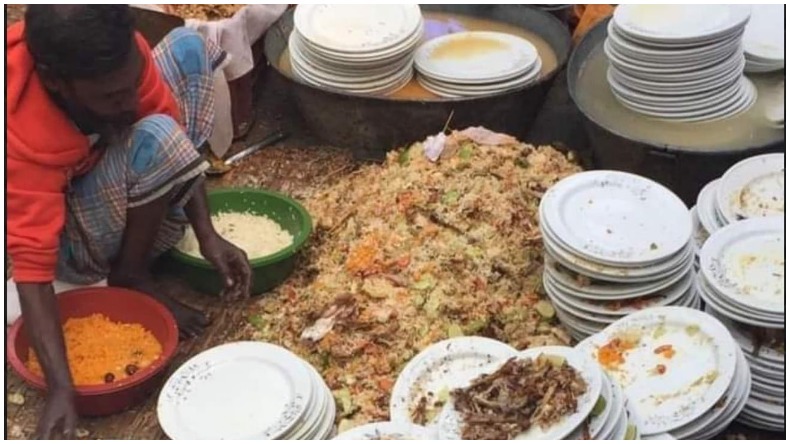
(158,158)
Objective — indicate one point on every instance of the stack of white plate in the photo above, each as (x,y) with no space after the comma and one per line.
(752,188)
(246,390)
(361,49)
(679,62)
(468,64)
(610,419)
(614,243)
(742,281)
(450,422)
(680,370)
(386,431)
(764,39)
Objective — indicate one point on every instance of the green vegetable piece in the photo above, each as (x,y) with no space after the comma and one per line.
(454,331)
(521,162)
(343,397)
(425,283)
(545,309)
(630,433)
(599,408)
(451,197)
(257,322)
(466,151)
(444,395)
(403,158)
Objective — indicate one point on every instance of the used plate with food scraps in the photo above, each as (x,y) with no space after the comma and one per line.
(752,188)
(604,415)
(616,218)
(673,363)
(243,390)
(451,424)
(439,369)
(745,263)
(385,431)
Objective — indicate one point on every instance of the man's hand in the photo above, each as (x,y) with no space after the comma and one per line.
(232,263)
(59,416)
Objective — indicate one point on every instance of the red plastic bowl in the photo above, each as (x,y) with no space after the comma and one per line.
(120,305)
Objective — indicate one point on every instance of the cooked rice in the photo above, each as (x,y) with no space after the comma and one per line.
(258,236)
(97,346)
(410,252)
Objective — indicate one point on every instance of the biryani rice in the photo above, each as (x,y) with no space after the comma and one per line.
(97,347)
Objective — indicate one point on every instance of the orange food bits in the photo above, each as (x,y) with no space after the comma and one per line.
(665,350)
(611,354)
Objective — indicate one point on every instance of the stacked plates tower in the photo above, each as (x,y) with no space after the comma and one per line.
(680,370)
(476,63)
(360,49)
(246,390)
(615,243)
(752,188)
(742,281)
(764,39)
(679,62)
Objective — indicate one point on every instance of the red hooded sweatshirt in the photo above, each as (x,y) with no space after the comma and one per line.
(44,149)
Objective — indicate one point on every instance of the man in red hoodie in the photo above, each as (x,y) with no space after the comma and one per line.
(103,168)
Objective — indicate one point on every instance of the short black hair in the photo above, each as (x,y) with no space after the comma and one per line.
(79,41)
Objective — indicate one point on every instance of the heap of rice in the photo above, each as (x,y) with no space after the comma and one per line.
(258,236)
(412,252)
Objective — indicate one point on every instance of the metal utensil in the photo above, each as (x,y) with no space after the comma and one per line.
(223,167)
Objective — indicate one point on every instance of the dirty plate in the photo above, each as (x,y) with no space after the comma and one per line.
(381,431)
(754,187)
(616,218)
(242,390)
(676,363)
(745,263)
(451,424)
(438,370)
(476,57)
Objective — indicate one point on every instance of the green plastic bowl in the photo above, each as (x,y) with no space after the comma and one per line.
(267,272)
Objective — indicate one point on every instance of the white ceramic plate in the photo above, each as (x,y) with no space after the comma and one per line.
(753,188)
(714,304)
(745,262)
(621,308)
(641,52)
(678,264)
(617,217)
(476,57)
(724,412)
(706,207)
(241,390)
(600,425)
(679,23)
(450,422)
(441,368)
(387,431)
(694,379)
(356,28)
(600,290)
(765,33)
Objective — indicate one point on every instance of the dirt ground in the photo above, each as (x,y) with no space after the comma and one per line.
(296,166)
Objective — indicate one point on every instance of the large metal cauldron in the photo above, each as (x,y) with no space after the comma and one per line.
(371,126)
(683,171)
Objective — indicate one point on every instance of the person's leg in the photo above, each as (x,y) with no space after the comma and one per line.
(116,213)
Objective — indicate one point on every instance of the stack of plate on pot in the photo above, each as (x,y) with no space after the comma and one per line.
(742,280)
(681,371)
(614,243)
(360,49)
(752,188)
(468,64)
(246,390)
(764,39)
(679,62)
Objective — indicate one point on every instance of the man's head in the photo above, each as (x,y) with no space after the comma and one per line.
(86,54)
